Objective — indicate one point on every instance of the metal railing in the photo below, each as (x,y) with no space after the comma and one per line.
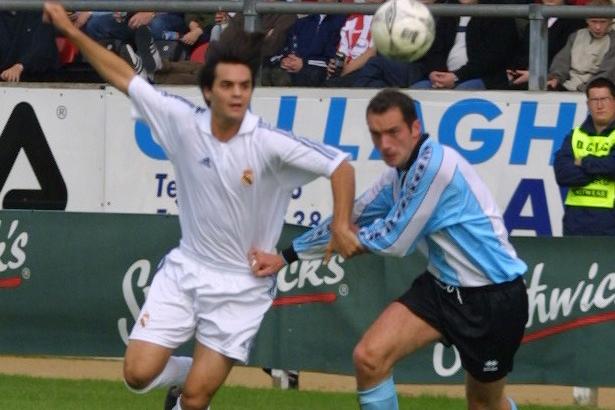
(252,9)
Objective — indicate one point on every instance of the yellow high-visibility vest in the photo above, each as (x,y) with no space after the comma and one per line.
(599,193)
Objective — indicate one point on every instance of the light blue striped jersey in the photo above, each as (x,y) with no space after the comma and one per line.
(440,206)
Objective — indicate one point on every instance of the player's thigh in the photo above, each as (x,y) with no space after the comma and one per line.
(208,372)
(230,310)
(396,333)
(485,395)
(143,361)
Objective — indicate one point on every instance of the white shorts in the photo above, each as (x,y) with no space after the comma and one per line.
(225,309)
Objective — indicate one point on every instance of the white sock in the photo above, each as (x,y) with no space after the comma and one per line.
(179,407)
(173,374)
(157,57)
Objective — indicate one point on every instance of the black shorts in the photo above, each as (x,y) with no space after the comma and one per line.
(485,323)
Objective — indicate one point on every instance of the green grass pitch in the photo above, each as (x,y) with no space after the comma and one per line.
(29,393)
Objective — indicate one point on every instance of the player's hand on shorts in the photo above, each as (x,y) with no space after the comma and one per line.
(265,264)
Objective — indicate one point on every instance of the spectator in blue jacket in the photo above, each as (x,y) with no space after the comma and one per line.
(310,44)
(27,47)
(585,164)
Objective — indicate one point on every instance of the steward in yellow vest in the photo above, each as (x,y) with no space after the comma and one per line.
(585,164)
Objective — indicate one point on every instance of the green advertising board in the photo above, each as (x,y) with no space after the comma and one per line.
(72,283)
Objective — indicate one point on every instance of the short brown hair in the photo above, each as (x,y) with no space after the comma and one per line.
(391,98)
(600,82)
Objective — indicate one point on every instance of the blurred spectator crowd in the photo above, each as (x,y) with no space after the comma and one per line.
(316,50)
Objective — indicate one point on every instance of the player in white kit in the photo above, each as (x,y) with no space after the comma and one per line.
(235,175)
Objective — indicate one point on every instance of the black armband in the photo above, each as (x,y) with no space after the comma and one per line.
(290,255)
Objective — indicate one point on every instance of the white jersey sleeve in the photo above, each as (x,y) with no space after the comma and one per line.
(296,160)
(163,112)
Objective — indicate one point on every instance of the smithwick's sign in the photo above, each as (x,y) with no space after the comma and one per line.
(134,290)
(73,283)
(12,255)
(547,305)
(595,294)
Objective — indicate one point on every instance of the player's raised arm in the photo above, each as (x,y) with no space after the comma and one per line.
(110,66)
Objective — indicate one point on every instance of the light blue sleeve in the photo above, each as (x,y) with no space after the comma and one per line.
(374,203)
(407,222)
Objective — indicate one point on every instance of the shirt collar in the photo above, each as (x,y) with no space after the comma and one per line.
(588,126)
(414,154)
(248,125)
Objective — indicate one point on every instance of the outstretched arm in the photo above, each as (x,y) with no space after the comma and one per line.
(343,240)
(110,66)
(373,204)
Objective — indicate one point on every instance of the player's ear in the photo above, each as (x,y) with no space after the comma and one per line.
(207,95)
(417,128)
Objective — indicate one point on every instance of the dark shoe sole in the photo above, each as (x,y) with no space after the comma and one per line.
(172,396)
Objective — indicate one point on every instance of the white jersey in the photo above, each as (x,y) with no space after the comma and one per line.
(233,195)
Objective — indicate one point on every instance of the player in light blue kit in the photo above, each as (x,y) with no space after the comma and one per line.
(472,294)
(235,175)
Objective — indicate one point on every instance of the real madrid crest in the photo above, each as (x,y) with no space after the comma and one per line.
(248,177)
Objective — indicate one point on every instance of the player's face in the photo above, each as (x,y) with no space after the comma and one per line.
(393,137)
(230,92)
(601,105)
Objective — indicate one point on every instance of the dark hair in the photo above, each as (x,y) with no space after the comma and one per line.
(600,82)
(391,98)
(239,48)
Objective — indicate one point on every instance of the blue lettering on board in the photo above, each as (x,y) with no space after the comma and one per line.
(286,112)
(146,142)
(528,131)
(534,191)
(491,138)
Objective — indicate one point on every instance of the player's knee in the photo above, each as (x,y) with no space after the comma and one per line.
(191,401)
(135,377)
(366,359)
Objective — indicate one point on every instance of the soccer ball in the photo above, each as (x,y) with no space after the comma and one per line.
(403,29)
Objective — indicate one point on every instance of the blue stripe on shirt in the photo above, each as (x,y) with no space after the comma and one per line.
(383,233)
(323,149)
